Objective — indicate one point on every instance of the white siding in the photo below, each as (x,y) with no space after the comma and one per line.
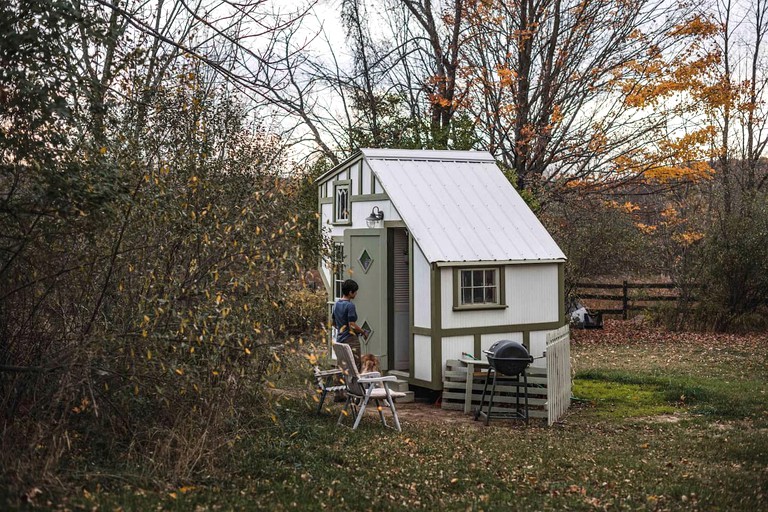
(531,295)
(486,340)
(422,357)
(538,346)
(326,271)
(455,345)
(326,217)
(354,172)
(367,178)
(360,210)
(378,189)
(421,290)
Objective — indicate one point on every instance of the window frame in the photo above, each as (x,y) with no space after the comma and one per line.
(338,270)
(347,184)
(500,286)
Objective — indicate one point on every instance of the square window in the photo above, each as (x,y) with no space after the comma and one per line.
(478,287)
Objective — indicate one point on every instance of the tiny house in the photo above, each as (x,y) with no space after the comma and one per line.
(448,256)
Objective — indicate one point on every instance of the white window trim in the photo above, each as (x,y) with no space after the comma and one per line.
(346,184)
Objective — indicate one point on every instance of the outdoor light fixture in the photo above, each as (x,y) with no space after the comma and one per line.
(376,218)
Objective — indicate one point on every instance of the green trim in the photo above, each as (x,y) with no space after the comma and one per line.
(500,329)
(390,239)
(423,331)
(561,291)
(425,384)
(320,220)
(500,272)
(373,183)
(480,307)
(326,200)
(336,184)
(370,197)
(411,321)
(436,326)
(346,162)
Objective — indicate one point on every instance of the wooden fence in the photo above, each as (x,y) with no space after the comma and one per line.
(558,373)
(630,301)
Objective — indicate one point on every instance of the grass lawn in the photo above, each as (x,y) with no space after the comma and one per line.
(661,421)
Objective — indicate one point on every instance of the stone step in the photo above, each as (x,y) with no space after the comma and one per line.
(399,373)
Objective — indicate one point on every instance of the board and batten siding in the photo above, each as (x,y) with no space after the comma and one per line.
(422,294)
(422,357)
(538,345)
(486,340)
(367,178)
(360,210)
(454,346)
(532,296)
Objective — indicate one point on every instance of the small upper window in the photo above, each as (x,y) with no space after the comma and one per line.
(479,287)
(341,203)
(337,263)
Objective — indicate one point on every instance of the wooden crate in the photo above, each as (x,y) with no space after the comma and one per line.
(455,386)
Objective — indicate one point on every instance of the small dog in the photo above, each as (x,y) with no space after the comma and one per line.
(369,363)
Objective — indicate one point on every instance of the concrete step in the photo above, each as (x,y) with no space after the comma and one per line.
(399,385)
(399,373)
(409,397)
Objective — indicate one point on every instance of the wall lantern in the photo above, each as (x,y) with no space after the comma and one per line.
(376,218)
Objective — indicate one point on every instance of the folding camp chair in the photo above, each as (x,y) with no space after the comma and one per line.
(361,389)
(326,383)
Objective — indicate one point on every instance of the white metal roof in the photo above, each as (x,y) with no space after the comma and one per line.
(459,206)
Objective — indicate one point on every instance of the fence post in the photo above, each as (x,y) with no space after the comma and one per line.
(624,301)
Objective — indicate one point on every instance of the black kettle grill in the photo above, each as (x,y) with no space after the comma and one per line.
(510,359)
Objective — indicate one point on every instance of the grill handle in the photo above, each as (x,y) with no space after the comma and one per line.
(491,356)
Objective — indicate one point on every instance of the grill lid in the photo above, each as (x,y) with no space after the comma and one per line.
(508,357)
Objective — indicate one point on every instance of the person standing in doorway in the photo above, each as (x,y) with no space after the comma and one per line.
(344,318)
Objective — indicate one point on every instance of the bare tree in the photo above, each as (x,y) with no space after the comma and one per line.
(556,83)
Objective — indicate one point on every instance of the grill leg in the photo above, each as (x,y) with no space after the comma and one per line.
(490,398)
(322,399)
(525,390)
(479,410)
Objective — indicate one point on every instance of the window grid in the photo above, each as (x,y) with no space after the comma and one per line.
(337,262)
(479,286)
(341,203)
